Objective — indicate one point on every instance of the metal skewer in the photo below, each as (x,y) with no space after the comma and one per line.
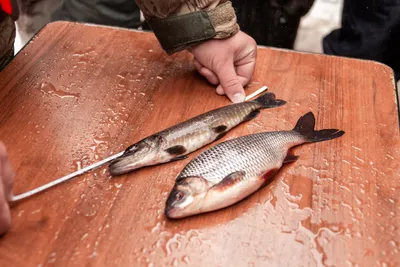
(256,93)
(93,166)
(64,178)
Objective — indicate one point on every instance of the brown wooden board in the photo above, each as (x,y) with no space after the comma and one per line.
(77,94)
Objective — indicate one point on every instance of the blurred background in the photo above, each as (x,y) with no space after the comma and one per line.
(322,18)
(293,24)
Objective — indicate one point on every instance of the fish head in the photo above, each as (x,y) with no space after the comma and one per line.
(141,154)
(186,197)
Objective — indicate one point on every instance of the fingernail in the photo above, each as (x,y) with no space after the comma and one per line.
(238,97)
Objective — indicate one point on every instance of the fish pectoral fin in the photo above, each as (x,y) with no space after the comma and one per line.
(266,176)
(176,150)
(220,128)
(290,158)
(219,136)
(251,115)
(179,158)
(229,180)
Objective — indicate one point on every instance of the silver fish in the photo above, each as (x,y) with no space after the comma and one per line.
(177,141)
(232,170)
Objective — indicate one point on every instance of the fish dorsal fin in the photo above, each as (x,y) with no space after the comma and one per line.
(231,179)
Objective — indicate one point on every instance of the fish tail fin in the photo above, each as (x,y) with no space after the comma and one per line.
(268,100)
(305,126)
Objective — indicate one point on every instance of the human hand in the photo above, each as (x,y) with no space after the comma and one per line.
(6,184)
(228,63)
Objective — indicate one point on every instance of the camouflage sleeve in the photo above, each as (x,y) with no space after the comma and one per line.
(7,37)
(165,8)
(158,9)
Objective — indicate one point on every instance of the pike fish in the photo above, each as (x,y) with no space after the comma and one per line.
(232,170)
(176,142)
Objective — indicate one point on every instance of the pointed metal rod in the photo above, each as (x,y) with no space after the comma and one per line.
(256,93)
(93,166)
(64,178)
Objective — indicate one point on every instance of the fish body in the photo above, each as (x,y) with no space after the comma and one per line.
(234,169)
(178,141)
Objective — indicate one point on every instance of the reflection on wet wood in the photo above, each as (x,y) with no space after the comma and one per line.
(67,102)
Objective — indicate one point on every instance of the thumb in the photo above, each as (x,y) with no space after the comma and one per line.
(6,172)
(230,83)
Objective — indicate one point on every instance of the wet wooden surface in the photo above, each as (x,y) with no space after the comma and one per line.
(77,94)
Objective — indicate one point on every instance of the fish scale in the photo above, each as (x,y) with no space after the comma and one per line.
(176,142)
(253,154)
(232,170)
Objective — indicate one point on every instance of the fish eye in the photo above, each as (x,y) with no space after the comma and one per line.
(178,196)
(132,148)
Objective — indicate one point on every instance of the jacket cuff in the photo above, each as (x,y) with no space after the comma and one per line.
(178,32)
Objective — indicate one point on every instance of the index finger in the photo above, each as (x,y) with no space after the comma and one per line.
(245,72)
(230,83)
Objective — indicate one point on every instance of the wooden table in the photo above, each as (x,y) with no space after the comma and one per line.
(77,94)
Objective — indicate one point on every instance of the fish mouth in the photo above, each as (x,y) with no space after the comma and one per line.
(123,165)
(173,213)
